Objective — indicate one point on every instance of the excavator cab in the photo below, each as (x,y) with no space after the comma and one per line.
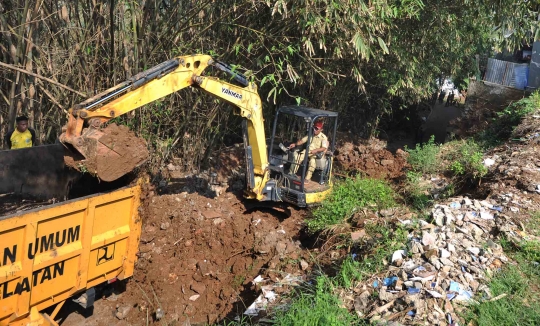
(289,167)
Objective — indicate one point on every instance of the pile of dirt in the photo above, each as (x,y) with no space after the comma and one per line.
(198,255)
(370,158)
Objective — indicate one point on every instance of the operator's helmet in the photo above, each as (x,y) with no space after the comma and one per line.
(318,125)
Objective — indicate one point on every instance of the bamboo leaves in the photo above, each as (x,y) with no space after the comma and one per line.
(383,45)
(359,57)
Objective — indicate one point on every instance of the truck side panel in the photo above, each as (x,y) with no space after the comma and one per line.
(49,254)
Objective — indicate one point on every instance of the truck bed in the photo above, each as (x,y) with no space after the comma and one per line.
(51,253)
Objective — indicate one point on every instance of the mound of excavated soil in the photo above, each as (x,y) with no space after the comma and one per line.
(197,254)
(371,159)
(229,162)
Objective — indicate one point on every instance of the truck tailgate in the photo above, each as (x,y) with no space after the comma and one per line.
(51,253)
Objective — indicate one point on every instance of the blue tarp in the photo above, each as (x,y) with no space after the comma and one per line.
(521,74)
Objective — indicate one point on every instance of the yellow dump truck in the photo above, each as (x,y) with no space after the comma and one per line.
(51,254)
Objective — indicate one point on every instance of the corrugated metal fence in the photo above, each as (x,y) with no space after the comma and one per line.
(507,73)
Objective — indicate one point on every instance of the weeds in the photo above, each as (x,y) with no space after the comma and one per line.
(503,125)
(238,280)
(349,196)
(533,223)
(417,191)
(371,257)
(316,305)
(82,168)
(465,159)
(424,158)
(519,307)
(520,284)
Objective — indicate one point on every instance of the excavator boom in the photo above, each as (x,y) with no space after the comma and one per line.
(114,151)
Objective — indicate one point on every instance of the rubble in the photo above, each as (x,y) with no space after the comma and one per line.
(122,311)
(443,267)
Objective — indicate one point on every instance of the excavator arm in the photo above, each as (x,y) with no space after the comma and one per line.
(110,159)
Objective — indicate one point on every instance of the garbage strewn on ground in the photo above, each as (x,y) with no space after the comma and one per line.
(444,266)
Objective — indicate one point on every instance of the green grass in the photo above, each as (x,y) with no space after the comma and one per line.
(424,157)
(348,196)
(521,284)
(533,224)
(315,305)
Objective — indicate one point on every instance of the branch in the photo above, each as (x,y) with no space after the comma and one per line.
(41,77)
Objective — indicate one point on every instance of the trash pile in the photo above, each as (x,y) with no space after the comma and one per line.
(271,289)
(443,267)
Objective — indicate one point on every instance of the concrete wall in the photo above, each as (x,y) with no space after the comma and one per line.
(491,95)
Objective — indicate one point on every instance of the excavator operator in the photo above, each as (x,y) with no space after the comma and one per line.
(319,144)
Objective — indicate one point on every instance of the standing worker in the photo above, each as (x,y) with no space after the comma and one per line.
(441,97)
(319,144)
(450,99)
(22,136)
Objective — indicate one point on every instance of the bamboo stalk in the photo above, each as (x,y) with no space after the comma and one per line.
(6,65)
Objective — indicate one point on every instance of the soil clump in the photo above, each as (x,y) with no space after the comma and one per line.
(370,159)
(111,153)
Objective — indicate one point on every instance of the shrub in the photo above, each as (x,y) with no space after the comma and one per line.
(348,196)
(417,191)
(424,157)
(466,159)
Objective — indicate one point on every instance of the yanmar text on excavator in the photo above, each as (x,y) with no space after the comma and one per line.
(64,250)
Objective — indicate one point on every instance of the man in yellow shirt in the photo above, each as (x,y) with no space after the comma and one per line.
(319,144)
(22,136)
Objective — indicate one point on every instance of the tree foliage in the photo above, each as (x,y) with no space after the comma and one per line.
(365,59)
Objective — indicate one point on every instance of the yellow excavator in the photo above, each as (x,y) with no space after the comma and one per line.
(272,173)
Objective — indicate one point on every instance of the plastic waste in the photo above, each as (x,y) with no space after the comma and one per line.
(455,205)
(413,290)
(389,281)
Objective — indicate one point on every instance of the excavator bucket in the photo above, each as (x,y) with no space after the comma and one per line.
(37,172)
(107,153)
